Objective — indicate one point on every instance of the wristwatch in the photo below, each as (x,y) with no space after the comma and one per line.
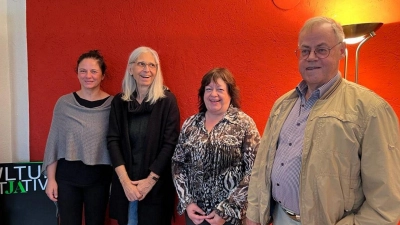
(154,178)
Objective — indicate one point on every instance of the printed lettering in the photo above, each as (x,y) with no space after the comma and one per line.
(30,173)
(26,184)
(19,168)
(1,187)
(7,179)
(41,185)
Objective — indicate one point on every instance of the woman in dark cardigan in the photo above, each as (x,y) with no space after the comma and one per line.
(143,132)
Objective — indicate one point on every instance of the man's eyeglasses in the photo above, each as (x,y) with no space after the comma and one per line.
(143,65)
(320,52)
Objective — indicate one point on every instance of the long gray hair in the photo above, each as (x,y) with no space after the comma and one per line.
(156,89)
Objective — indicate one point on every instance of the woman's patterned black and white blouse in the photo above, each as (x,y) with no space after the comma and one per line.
(213,169)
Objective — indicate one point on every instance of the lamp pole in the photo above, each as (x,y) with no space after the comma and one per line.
(355,33)
(372,34)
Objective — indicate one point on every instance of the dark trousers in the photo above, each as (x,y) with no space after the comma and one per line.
(72,199)
(190,222)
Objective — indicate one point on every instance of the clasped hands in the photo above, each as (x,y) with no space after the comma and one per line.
(197,215)
(137,190)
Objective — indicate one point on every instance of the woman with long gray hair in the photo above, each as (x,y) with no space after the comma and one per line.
(143,132)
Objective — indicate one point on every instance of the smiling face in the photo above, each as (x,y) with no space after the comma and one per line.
(216,97)
(143,70)
(89,74)
(315,71)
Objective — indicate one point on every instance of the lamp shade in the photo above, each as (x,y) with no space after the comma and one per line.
(355,33)
(360,30)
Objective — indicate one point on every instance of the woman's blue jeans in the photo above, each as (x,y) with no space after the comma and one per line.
(133,213)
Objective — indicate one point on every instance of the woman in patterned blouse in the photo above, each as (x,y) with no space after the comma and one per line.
(215,154)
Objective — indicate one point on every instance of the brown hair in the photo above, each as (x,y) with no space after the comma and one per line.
(93,54)
(227,77)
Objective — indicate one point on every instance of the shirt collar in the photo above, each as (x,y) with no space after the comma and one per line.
(302,86)
(230,115)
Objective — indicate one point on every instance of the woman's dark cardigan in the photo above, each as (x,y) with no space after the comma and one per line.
(161,138)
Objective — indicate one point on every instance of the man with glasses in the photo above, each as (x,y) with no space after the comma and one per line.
(330,152)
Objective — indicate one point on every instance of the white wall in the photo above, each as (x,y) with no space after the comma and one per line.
(14,104)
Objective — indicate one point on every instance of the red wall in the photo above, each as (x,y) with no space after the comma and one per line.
(254,39)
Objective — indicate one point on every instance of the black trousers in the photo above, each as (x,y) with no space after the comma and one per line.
(73,199)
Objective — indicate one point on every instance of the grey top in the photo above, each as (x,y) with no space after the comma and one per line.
(78,133)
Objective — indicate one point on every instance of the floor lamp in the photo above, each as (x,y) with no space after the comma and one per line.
(358,33)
